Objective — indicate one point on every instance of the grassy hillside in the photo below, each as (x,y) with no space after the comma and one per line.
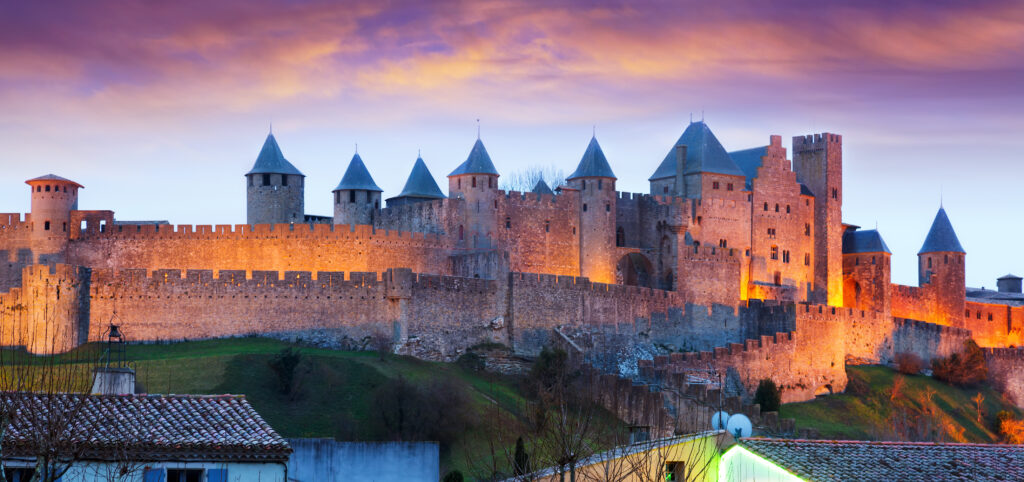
(922,409)
(336,394)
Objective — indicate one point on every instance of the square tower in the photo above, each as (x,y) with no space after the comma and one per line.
(818,162)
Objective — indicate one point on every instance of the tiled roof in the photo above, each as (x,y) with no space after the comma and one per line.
(145,427)
(271,160)
(357,177)
(594,163)
(993,297)
(52,177)
(542,188)
(421,183)
(703,154)
(478,162)
(1009,276)
(864,241)
(748,160)
(941,236)
(827,460)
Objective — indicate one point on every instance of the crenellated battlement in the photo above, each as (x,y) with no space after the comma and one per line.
(815,141)
(12,219)
(818,312)
(940,330)
(258,231)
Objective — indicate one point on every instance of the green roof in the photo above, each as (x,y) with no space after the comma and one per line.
(478,162)
(272,161)
(704,154)
(594,163)
(421,183)
(357,177)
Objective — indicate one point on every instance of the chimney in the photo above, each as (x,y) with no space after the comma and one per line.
(680,169)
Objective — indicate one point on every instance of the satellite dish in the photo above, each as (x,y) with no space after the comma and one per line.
(718,420)
(739,426)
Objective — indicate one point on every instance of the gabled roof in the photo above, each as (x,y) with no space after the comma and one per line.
(703,154)
(272,161)
(941,236)
(828,460)
(146,427)
(864,241)
(421,183)
(805,191)
(542,188)
(594,163)
(357,177)
(478,162)
(53,177)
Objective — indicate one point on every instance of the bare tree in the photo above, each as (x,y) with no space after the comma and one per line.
(527,178)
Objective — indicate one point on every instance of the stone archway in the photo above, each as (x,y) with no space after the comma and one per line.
(634,269)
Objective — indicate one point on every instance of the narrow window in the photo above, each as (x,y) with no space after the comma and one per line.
(778,278)
(490,182)
(574,230)
(776,208)
(47,188)
(807,202)
(787,209)
(807,259)
(351,196)
(728,187)
(665,189)
(714,185)
(376,205)
(785,256)
(65,227)
(990,317)
(584,188)
(699,219)
(979,315)
(547,226)
(39,188)
(607,207)
(872,260)
(458,184)
(474,182)
(620,237)
(600,184)
(495,204)
(856,261)
(722,243)
(266,179)
(835,193)
(337,197)
(945,259)
(929,262)
(46,226)
(584,207)
(250,181)
(807,229)
(65,189)
(765,206)
(461,234)
(775,252)
(508,223)
(967,313)
(284,179)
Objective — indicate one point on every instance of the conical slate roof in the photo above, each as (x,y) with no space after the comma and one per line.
(594,163)
(703,154)
(52,177)
(542,188)
(866,241)
(272,161)
(421,183)
(478,162)
(357,177)
(941,236)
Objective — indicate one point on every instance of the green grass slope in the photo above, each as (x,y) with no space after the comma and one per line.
(922,409)
(336,394)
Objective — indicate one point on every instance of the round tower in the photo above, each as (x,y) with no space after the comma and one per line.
(275,190)
(476,181)
(595,181)
(53,199)
(941,269)
(357,197)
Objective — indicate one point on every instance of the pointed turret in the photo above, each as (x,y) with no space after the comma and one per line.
(478,162)
(420,186)
(593,164)
(476,182)
(941,237)
(696,157)
(542,188)
(941,269)
(357,197)
(275,188)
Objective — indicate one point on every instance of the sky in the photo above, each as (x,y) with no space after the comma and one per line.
(159,108)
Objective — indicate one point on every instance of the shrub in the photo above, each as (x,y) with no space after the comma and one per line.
(909,363)
(768,396)
(1011,429)
(964,369)
(453,476)
(284,365)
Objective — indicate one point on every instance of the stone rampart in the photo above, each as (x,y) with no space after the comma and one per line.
(1005,369)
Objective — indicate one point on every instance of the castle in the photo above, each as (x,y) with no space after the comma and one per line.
(741,258)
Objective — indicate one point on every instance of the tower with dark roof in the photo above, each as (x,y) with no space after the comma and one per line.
(420,186)
(53,199)
(867,270)
(476,182)
(818,163)
(595,181)
(694,164)
(941,269)
(275,191)
(357,196)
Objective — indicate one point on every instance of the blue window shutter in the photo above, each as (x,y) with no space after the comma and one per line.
(153,475)
(217,475)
